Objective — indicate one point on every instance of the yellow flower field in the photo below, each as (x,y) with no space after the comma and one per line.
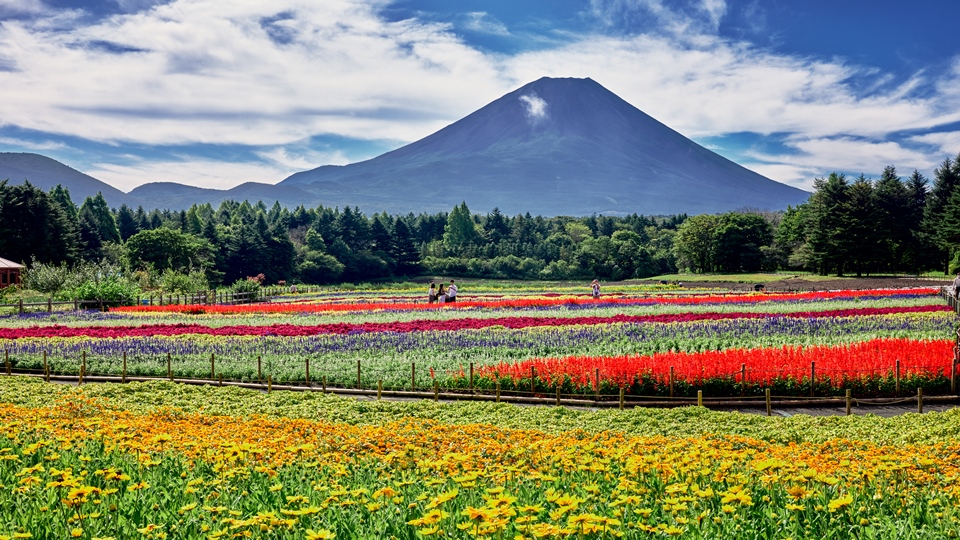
(88,468)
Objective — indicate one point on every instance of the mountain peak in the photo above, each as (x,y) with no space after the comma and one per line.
(553,146)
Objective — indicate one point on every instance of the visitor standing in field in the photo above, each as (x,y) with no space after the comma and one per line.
(956,284)
(432,293)
(595,285)
(441,294)
(452,292)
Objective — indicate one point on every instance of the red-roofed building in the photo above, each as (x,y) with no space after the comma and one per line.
(9,273)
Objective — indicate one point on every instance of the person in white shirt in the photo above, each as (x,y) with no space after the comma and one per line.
(432,294)
(452,292)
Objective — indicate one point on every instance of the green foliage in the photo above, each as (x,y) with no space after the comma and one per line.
(248,286)
(167,249)
(179,283)
(111,290)
(47,278)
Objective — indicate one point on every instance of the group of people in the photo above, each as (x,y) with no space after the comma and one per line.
(441,294)
(449,294)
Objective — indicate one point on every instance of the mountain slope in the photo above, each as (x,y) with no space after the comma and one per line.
(45,173)
(554,146)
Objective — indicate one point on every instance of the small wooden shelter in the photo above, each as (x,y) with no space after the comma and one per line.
(9,273)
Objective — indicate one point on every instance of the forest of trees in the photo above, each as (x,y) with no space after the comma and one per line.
(861,226)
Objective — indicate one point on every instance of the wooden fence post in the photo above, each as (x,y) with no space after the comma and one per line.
(848,402)
(269,383)
(596,382)
(123,374)
(379,388)
(920,400)
(220,380)
(323,382)
(49,304)
(671,381)
(359,385)
(743,379)
(897,377)
(558,395)
(213,370)
(769,405)
(46,367)
(413,376)
(308,371)
(498,390)
(699,398)
(533,378)
(259,369)
(20,302)
(436,390)
(169,367)
(83,367)
(813,377)
(6,360)
(471,375)
(621,398)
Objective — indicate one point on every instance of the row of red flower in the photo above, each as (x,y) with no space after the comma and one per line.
(836,365)
(690,299)
(425,325)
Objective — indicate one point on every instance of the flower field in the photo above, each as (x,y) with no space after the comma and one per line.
(872,342)
(159,460)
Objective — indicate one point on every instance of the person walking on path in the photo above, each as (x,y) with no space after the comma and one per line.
(595,285)
(432,293)
(452,292)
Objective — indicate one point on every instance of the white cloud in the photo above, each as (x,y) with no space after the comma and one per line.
(947,142)
(718,87)
(534,107)
(482,22)
(819,157)
(32,145)
(15,8)
(200,173)
(206,71)
(302,160)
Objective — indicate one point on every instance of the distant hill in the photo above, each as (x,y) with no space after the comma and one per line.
(45,173)
(552,147)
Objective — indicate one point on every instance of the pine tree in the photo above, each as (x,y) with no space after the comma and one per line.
(945,183)
(99,216)
(126,222)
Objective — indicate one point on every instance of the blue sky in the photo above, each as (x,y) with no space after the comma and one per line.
(214,93)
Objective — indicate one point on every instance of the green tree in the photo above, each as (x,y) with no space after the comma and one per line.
(404,251)
(126,222)
(460,230)
(99,213)
(34,225)
(829,223)
(945,183)
(168,249)
(695,243)
(739,239)
(893,234)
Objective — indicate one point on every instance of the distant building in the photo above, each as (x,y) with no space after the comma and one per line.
(9,273)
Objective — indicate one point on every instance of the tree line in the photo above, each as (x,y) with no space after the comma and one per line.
(863,226)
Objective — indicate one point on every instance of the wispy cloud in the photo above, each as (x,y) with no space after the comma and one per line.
(482,22)
(19,8)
